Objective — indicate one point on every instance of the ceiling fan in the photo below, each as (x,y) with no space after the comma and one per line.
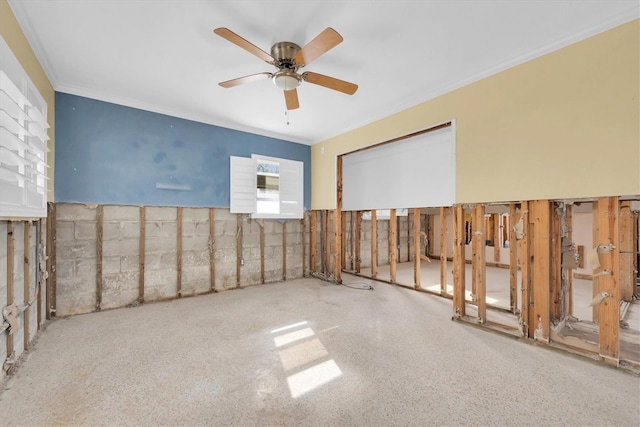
(288,57)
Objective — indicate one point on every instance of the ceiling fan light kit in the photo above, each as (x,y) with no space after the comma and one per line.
(288,57)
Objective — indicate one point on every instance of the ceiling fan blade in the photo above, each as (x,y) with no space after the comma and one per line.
(245,79)
(326,40)
(291,97)
(330,82)
(226,33)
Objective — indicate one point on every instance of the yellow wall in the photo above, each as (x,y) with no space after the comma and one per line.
(13,35)
(565,125)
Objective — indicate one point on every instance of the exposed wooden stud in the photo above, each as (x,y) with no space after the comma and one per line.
(627,282)
(539,313)
(10,283)
(343,240)
(212,250)
(99,243)
(496,237)
(50,298)
(609,319)
(431,235)
(142,252)
(569,291)
(417,269)
(303,226)
(476,246)
(179,254)
(525,270)
(443,250)
(393,248)
(478,263)
(313,242)
(41,279)
(239,261)
(326,265)
(358,239)
(555,282)
(374,243)
(409,221)
(513,260)
(337,244)
(262,272)
(284,250)
(352,254)
(595,283)
(459,308)
(27,283)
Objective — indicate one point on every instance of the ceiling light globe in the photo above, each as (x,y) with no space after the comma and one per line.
(286,80)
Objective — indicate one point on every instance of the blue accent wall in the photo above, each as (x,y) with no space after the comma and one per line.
(111,154)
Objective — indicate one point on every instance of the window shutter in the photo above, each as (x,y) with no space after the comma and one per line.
(242,191)
(291,188)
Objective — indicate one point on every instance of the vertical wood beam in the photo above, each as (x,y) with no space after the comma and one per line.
(358,241)
(238,248)
(337,243)
(595,283)
(478,262)
(513,260)
(569,292)
(179,254)
(50,298)
(374,243)
(555,288)
(476,246)
(417,268)
(27,284)
(313,242)
(343,240)
(408,236)
(432,227)
(284,250)
(525,270)
(10,283)
(262,274)
(393,246)
(539,314)
(351,241)
(443,250)
(99,243)
(41,279)
(303,226)
(327,243)
(212,250)
(496,237)
(459,308)
(627,282)
(609,318)
(142,251)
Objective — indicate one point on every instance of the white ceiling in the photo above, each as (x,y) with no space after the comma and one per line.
(163,56)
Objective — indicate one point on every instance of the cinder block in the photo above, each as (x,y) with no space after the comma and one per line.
(225,256)
(111,230)
(120,247)
(196,287)
(130,263)
(195,214)
(225,242)
(64,269)
(75,212)
(64,230)
(194,273)
(130,229)
(110,265)
(192,258)
(121,213)
(169,259)
(119,290)
(201,229)
(152,229)
(222,214)
(85,230)
(154,213)
(152,261)
(193,243)
(75,250)
(169,229)
(160,244)
(273,239)
(229,228)
(85,269)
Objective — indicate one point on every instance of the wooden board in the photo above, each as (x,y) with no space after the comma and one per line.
(569,291)
(609,318)
(513,260)
(358,240)
(284,250)
(313,242)
(238,248)
(212,250)
(141,252)
(459,308)
(393,248)
(540,218)
(327,243)
(525,270)
(50,299)
(443,250)
(343,239)
(374,243)
(303,226)
(179,255)
(99,243)
(555,288)
(41,280)
(416,248)
(431,235)
(627,276)
(595,283)
(496,237)
(337,244)
(10,283)
(478,263)
(27,284)
(262,273)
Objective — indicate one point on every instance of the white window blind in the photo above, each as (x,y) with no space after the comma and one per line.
(23,142)
(415,172)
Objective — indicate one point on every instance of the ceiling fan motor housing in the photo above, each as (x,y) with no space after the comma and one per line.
(286,78)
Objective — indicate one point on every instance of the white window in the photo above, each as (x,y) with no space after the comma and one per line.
(23,142)
(266,187)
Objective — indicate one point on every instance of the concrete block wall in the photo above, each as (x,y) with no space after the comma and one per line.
(21,253)
(77,250)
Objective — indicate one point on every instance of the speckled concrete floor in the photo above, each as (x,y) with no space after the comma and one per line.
(304,352)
